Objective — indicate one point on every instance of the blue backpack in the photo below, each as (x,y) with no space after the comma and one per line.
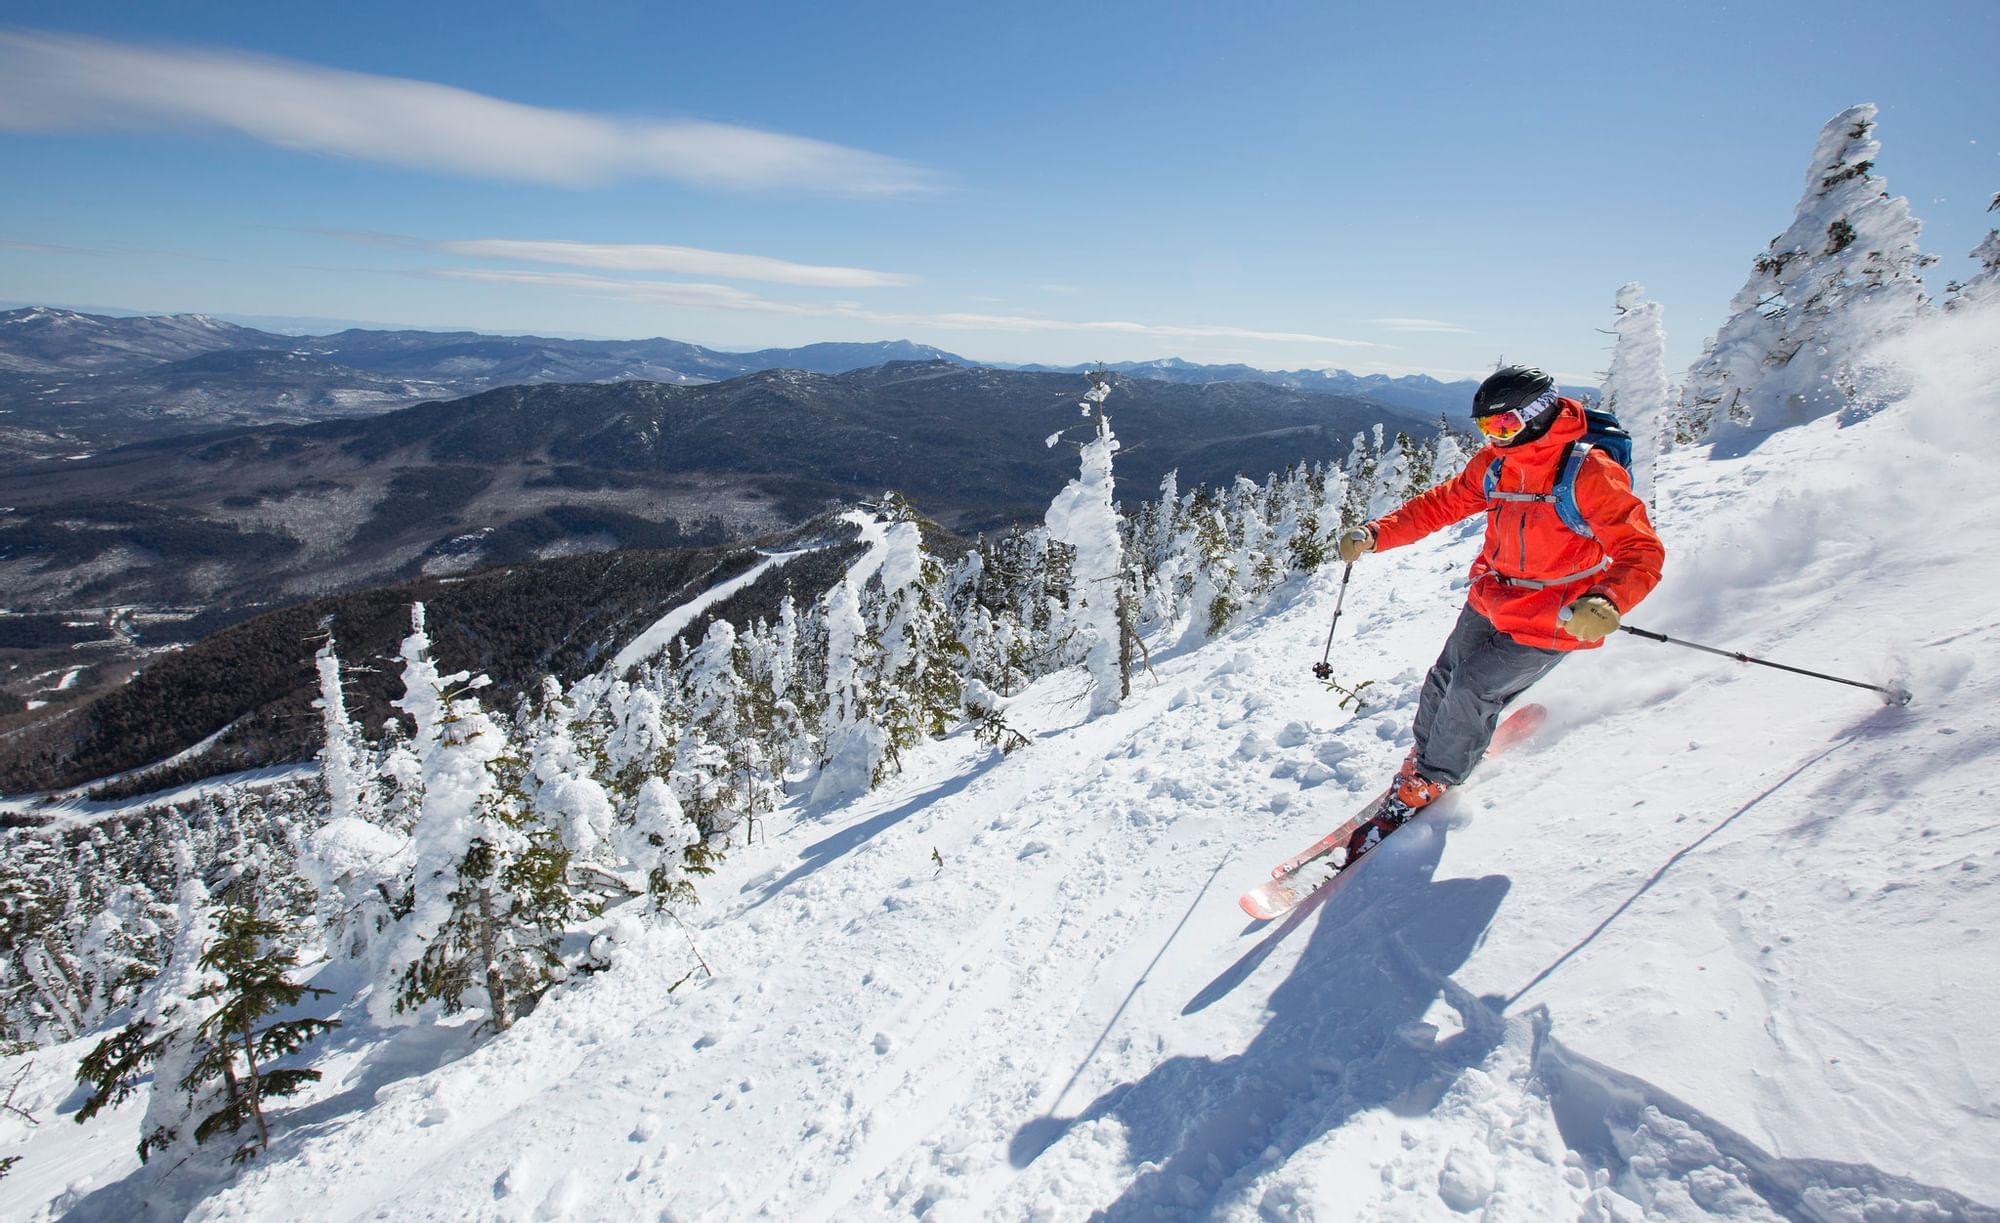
(1602,432)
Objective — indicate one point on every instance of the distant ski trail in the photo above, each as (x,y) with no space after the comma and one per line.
(669,626)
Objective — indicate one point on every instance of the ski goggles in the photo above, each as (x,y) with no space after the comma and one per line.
(1504,425)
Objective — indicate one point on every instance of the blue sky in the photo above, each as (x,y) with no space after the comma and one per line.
(1397,187)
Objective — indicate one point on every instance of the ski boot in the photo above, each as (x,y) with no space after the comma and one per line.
(1411,794)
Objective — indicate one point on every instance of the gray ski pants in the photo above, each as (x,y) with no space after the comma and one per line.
(1479,672)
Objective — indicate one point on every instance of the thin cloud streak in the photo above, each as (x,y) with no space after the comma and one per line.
(54,82)
(713,296)
(680,260)
(1419,324)
(45,248)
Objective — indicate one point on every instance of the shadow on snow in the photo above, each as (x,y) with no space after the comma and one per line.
(1344,1035)
(826,850)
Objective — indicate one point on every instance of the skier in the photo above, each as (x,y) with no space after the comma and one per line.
(1540,588)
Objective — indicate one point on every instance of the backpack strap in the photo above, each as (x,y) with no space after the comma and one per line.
(1562,497)
(1493,492)
(1565,490)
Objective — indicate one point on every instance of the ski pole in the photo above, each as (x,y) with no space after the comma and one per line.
(1897,695)
(1323,669)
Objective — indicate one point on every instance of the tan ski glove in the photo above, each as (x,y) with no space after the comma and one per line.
(1354,541)
(1591,618)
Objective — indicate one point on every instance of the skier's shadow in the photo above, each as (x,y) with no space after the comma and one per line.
(1344,1035)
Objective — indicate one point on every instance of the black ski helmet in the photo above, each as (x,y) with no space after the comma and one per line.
(1510,387)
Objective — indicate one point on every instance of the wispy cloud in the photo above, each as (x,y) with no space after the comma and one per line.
(1418,324)
(726,297)
(45,248)
(680,260)
(52,82)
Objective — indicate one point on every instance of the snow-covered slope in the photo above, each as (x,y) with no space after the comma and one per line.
(1717,943)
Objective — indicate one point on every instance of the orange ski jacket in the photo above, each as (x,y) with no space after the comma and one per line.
(1532,566)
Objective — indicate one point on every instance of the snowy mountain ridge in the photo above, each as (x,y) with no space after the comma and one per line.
(1711,946)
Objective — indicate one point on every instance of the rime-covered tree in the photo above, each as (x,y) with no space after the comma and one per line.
(1842,275)
(715,751)
(1085,516)
(1984,286)
(855,742)
(1392,472)
(1635,387)
(165,1035)
(344,765)
(922,655)
(1216,595)
(355,863)
(658,841)
(563,760)
(1359,485)
(121,948)
(47,993)
(490,891)
(639,736)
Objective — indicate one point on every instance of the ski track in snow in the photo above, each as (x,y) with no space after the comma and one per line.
(1715,943)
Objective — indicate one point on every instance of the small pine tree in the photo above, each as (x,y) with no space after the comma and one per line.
(253,960)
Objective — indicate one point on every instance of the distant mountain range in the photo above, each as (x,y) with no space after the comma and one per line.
(283,512)
(73,382)
(1410,392)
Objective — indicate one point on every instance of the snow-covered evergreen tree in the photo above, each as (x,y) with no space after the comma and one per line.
(561,778)
(639,734)
(1256,549)
(1392,472)
(490,890)
(354,863)
(1216,596)
(1635,387)
(855,743)
(1985,284)
(657,842)
(1448,453)
(1359,484)
(1841,276)
(47,994)
(1084,516)
(344,767)
(423,688)
(252,961)
(121,949)
(165,1036)
(716,756)
(922,656)
(1300,530)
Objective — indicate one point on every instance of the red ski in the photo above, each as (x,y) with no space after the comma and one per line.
(1300,876)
